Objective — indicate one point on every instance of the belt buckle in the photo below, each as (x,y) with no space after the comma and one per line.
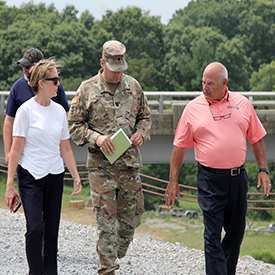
(235,171)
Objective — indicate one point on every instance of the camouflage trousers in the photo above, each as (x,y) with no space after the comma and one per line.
(118,204)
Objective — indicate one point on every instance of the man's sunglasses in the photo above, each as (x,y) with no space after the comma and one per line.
(27,67)
(54,79)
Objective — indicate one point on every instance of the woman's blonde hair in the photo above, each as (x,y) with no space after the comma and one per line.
(40,71)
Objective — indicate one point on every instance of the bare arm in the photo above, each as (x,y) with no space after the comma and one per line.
(173,189)
(68,157)
(7,134)
(15,154)
(258,149)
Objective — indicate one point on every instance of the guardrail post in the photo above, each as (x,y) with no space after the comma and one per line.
(2,104)
(160,104)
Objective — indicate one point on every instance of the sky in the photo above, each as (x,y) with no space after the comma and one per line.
(163,8)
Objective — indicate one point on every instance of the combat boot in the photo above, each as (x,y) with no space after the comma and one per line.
(108,271)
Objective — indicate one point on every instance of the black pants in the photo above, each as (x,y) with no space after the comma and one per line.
(41,200)
(223,200)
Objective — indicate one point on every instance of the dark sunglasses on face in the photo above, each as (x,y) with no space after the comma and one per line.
(26,67)
(54,79)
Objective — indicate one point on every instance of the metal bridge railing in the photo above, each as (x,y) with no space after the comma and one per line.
(160,99)
(164,98)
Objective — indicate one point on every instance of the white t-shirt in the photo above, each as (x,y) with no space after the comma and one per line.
(44,128)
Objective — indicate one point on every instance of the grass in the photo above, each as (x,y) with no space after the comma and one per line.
(257,241)
(187,232)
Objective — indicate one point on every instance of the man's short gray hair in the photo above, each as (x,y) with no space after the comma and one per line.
(223,75)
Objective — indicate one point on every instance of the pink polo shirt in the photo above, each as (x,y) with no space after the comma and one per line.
(221,143)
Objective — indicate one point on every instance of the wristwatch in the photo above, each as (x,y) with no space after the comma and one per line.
(264,170)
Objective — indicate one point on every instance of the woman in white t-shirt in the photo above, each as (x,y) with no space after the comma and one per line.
(40,145)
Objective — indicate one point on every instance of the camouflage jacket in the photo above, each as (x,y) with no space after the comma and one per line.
(96,111)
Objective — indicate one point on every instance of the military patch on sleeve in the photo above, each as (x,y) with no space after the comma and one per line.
(75,100)
(72,110)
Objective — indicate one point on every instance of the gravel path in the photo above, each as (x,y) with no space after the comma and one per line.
(77,256)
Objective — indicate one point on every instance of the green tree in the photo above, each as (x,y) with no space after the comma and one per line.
(87,19)
(252,21)
(143,37)
(61,35)
(232,54)
(69,14)
(264,79)
(257,28)
(191,49)
(7,15)
(217,14)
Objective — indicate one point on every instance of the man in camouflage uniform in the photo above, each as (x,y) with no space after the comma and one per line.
(103,104)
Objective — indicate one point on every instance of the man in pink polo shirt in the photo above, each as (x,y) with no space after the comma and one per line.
(218,123)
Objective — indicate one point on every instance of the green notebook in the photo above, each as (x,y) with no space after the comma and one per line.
(122,143)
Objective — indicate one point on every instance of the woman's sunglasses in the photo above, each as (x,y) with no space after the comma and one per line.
(54,79)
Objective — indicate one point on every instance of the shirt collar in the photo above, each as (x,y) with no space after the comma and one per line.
(225,98)
(103,84)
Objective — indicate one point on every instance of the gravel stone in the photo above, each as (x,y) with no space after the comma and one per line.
(77,254)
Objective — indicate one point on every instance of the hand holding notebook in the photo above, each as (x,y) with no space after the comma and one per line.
(122,143)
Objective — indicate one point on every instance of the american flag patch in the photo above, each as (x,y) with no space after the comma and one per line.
(75,99)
